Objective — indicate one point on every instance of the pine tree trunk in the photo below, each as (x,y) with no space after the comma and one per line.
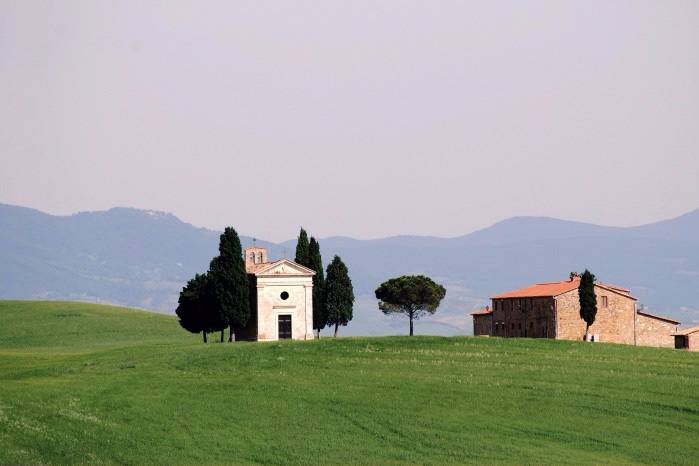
(222,335)
(203,332)
(411,326)
(335,336)
(587,331)
(230,335)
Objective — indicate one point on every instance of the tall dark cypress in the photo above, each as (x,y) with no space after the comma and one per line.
(339,294)
(588,300)
(229,282)
(320,318)
(302,249)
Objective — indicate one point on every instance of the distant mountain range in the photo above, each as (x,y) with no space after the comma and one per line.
(142,258)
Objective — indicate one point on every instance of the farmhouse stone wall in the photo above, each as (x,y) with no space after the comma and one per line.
(693,341)
(613,323)
(524,317)
(689,342)
(482,324)
(654,332)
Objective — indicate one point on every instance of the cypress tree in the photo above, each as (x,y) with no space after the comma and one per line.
(195,310)
(588,300)
(302,249)
(320,318)
(339,294)
(229,282)
(189,311)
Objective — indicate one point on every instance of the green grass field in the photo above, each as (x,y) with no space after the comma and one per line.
(82,383)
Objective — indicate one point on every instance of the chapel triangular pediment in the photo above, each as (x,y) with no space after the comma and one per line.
(284,267)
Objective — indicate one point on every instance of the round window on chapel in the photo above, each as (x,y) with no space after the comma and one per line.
(284,295)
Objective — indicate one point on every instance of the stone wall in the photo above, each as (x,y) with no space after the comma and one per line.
(482,324)
(613,324)
(523,317)
(652,331)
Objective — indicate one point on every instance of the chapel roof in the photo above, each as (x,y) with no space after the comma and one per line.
(269,267)
(253,268)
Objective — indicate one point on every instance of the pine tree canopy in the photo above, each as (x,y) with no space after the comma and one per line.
(303,249)
(588,300)
(412,295)
(339,294)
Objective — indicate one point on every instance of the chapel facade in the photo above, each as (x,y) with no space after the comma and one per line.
(281,299)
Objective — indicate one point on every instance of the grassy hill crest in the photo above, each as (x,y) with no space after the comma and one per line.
(88,383)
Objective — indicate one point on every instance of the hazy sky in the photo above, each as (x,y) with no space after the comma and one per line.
(352,118)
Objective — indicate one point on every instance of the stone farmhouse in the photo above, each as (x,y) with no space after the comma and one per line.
(687,339)
(281,299)
(552,310)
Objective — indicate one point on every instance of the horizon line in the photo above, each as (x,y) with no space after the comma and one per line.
(401,235)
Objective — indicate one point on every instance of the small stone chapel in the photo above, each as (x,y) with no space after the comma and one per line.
(281,299)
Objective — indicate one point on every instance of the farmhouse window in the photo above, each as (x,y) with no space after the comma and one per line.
(605,301)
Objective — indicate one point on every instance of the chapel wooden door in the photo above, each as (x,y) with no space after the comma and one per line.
(284,327)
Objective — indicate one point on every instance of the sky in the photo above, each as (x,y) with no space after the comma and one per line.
(354,118)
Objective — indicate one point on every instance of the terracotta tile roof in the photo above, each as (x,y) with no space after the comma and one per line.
(545,290)
(666,319)
(265,267)
(252,268)
(482,312)
(614,287)
(687,331)
(542,290)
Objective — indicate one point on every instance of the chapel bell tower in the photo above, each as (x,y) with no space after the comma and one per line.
(255,256)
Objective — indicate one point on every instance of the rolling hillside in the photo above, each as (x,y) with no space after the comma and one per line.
(142,259)
(125,256)
(84,383)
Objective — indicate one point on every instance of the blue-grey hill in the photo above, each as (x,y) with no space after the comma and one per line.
(142,258)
